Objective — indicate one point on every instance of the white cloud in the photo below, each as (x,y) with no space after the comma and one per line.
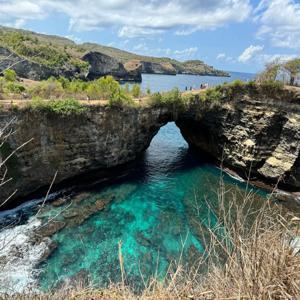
(188,52)
(221,56)
(133,18)
(279,22)
(17,13)
(266,58)
(256,54)
(249,53)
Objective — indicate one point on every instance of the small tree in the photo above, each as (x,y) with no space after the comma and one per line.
(108,86)
(270,72)
(293,67)
(136,91)
(10,75)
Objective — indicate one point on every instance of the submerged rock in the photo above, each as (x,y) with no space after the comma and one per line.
(77,215)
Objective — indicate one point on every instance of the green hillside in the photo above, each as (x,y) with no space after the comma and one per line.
(57,52)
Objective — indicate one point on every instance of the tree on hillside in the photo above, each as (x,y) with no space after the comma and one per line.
(270,72)
(293,68)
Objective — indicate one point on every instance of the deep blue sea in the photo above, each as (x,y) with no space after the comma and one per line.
(156,217)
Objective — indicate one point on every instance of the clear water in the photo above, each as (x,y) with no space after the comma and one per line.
(155,212)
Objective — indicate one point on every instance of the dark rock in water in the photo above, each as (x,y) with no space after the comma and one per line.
(102,65)
(78,215)
(70,214)
(79,197)
(142,240)
(59,202)
(69,259)
(48,229)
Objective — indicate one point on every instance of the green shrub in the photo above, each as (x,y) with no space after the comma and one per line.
(237,84)
(37,103)
(10,75)
(77,86)
(93,91)
(171,99)
(156,99)
(51,88)
(2,84)
(120,98)
(108,87)
(213,95)
(271,87)
(13,87)
(62,107)
(67,107)
(136,91)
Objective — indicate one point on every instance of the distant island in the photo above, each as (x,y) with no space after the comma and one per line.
(38,56)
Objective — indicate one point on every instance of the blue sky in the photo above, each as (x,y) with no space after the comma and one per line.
(237,35)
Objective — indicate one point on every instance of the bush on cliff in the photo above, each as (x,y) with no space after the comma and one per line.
(10,75)
(136,91)
(49,89)
(172,99)
(63,107)
(120,99)
(271,87)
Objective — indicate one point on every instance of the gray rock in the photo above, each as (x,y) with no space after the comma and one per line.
(102,65)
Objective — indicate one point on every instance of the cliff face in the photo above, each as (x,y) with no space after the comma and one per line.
(252,132)
(32,70)
(101,65)
(101,139)
(249,131)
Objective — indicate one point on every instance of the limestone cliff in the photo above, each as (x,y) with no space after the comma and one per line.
(102,138)
(101,65)
(248,130)
(252,132)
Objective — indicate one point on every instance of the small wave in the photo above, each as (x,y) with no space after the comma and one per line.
(20,254)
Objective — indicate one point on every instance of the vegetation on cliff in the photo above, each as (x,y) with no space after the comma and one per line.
(286,71)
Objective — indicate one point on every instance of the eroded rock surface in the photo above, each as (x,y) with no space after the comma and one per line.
(99,139)
(250,131)
(102,65)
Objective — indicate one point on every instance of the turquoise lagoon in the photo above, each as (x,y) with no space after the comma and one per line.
(153,219)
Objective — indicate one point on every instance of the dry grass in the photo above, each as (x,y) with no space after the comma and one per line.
(248,256)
